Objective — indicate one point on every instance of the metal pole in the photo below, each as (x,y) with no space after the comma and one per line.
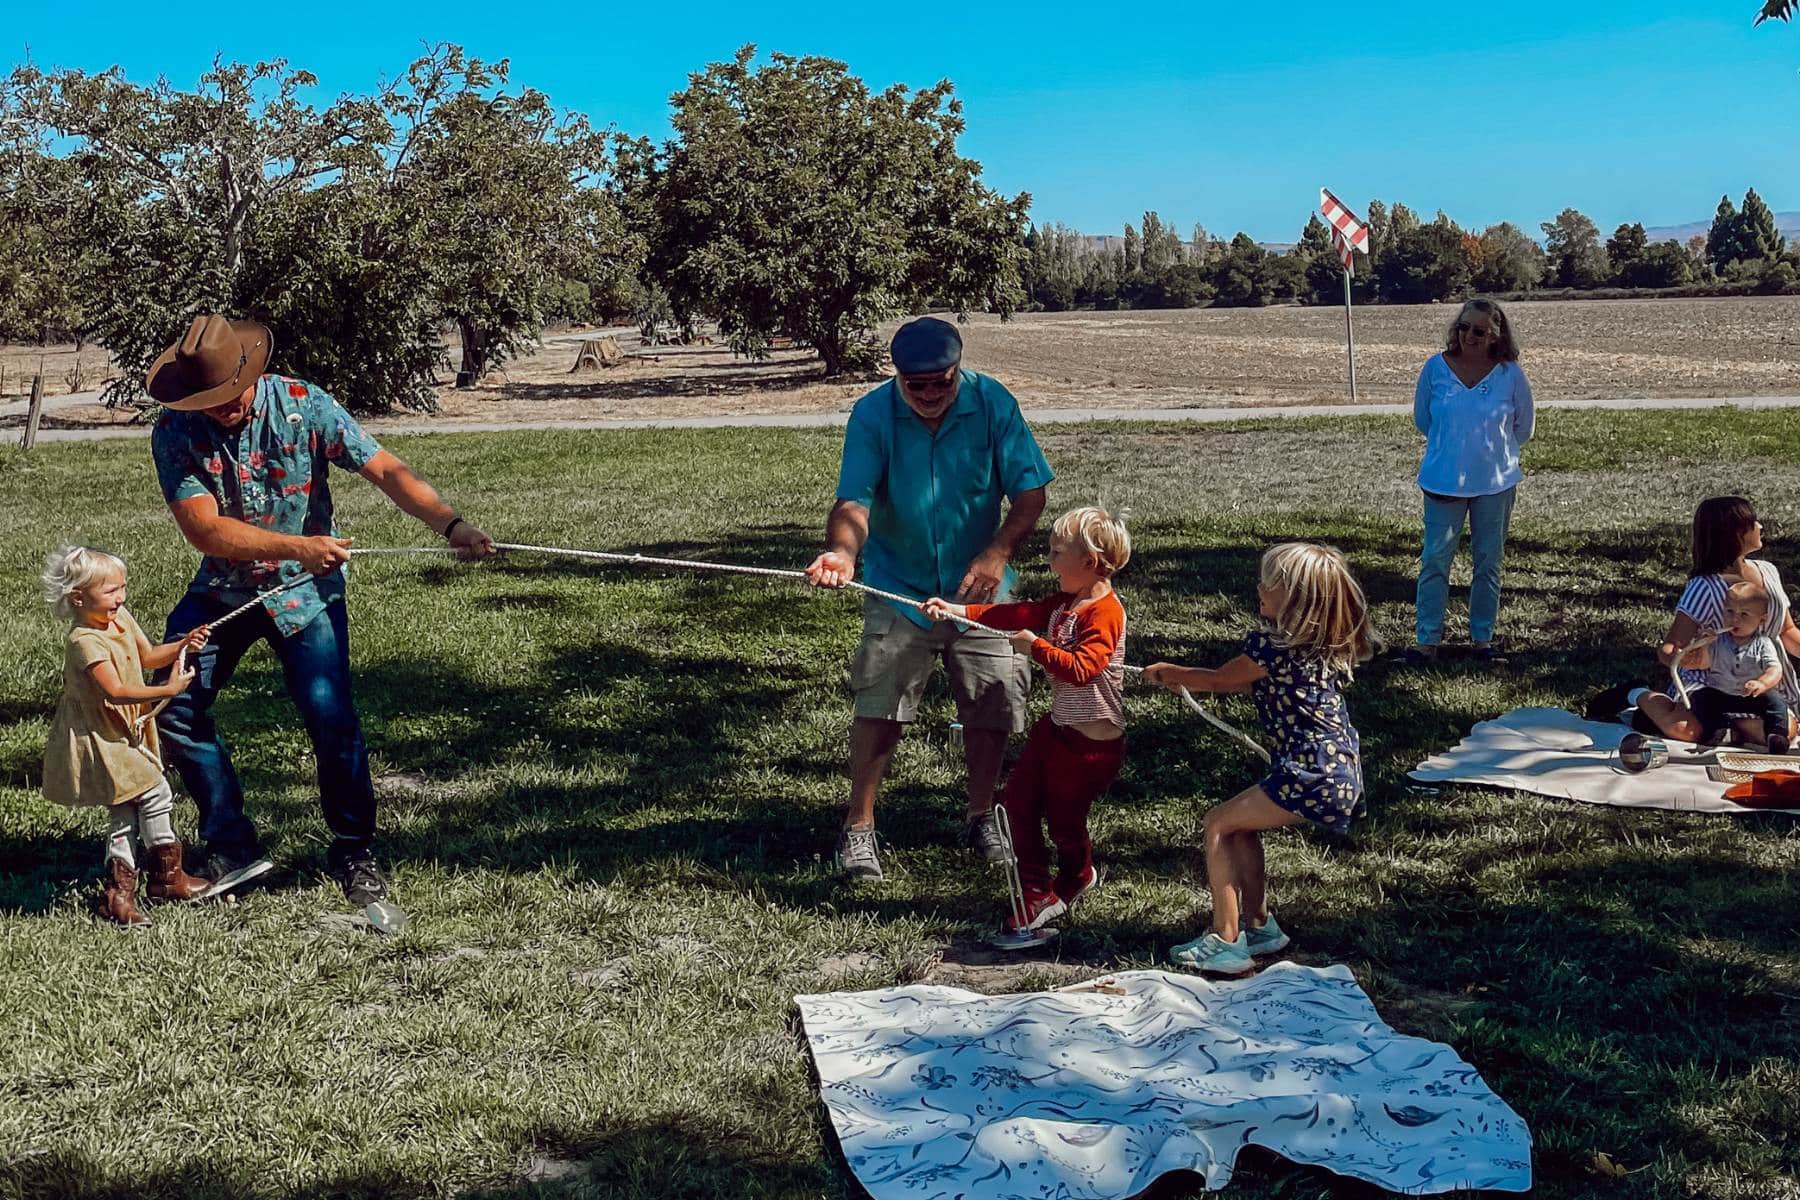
(36,410)
(1349,335)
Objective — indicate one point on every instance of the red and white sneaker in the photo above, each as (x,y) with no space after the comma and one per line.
(1041,908)
(1087,882)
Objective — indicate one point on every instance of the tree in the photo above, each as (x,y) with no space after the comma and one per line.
(793,201)
(1758,235)
(1627,244)
(1363,285)
(1572,246)
(1723,242)
(1322,268)
(1662,264)
(1423,263)
(187,174)
(1508,260)
(1239,275)
(1054,264)
(1639,262)
(506,192)
(349,230)
(46,265)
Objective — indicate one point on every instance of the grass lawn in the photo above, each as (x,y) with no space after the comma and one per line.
(609,798)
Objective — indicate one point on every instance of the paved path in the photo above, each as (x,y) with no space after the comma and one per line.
(1037,416)
(22,408)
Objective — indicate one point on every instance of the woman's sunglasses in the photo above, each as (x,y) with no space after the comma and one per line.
(1478,331)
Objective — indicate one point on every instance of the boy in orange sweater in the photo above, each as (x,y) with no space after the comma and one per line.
(1074,752)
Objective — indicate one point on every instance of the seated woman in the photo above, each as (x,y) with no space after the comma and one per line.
(1726,533)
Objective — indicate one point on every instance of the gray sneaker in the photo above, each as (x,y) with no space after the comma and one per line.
(858,855)
(982,835)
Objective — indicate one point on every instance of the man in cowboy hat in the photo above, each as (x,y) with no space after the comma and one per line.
(243,460)
(928,458)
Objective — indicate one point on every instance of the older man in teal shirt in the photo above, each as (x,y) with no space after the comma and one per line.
(928,459)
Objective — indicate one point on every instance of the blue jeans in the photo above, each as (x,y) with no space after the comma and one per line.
(315,665)
(1488,518)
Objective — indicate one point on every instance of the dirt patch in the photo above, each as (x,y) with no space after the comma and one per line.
(1181,358)
(90,368)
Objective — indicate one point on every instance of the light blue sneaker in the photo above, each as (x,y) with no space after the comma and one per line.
(1267,940)
(1213,955)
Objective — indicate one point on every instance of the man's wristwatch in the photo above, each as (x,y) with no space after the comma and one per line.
(451,527)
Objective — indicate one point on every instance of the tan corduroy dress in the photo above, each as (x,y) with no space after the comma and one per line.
(93,755)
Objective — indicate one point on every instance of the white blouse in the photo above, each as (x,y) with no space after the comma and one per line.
(1472,435)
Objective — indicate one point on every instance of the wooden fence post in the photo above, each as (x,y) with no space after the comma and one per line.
(36,410)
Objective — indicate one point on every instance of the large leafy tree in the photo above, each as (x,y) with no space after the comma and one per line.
(506,194)
(175,182)
(1423,262)
(1508,260)
(1322,268)
(1576,257)
(794,201)
(352,229)
(1240,275)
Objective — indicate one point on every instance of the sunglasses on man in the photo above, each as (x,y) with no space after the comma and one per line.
(930,383)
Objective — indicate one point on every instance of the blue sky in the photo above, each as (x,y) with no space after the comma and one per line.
(1207,112)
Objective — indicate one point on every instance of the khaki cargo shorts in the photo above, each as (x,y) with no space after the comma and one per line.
(893,660)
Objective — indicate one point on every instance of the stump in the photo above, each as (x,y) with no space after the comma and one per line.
(597,353)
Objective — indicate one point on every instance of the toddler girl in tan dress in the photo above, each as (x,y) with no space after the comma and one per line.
(102,748)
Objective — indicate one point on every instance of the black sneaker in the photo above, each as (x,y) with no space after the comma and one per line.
(229,868)
(1488,652)
(361,878)
(982,835)
(1419,656)
(1607,704)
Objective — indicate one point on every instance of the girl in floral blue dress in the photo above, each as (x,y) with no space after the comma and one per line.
(1294,670)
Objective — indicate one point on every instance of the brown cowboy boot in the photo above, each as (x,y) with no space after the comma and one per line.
(119,896)
(167,880)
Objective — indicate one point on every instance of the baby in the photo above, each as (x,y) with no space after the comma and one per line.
(1744,669)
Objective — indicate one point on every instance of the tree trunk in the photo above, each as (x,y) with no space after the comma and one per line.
(474,353)
(831,348)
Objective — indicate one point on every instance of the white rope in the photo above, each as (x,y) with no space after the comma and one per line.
(1681,688)
(647,560)
(1187,697)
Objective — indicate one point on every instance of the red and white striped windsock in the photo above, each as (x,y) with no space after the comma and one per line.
(1348,232)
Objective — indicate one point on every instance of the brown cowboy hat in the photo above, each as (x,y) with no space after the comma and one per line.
(212,364)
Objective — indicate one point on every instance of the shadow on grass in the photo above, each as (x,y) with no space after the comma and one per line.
(1585,967)
(725,1156)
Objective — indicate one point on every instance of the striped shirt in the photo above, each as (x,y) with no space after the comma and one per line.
(1081,648)
(1703,602)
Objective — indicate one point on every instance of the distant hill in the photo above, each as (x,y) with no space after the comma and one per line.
(1788,223)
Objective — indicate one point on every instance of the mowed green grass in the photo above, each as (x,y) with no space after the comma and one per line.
(609,797)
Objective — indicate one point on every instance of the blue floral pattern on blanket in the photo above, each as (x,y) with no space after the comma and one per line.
(941,1094)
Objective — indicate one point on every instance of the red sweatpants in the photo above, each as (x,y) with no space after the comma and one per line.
(1055,782)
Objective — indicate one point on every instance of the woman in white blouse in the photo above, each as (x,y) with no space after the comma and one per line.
(1474,407)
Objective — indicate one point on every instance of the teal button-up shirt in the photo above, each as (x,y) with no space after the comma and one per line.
(269,472)
(934,499)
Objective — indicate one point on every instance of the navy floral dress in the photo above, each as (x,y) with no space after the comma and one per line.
(1318,757)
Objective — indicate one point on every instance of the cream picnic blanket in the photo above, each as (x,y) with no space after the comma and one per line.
(1092,1095)
(1555,753)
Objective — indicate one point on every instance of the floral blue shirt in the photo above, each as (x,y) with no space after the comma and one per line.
(270,472)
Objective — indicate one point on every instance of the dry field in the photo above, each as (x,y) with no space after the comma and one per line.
(1185,358)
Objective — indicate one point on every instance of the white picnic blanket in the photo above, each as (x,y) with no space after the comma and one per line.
(1555,753)
(1092,1095)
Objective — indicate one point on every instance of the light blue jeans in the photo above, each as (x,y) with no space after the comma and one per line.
(1488,518)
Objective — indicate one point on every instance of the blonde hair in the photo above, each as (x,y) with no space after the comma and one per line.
(1323,614)
(1093,530)
(69,569)
(1749,591)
